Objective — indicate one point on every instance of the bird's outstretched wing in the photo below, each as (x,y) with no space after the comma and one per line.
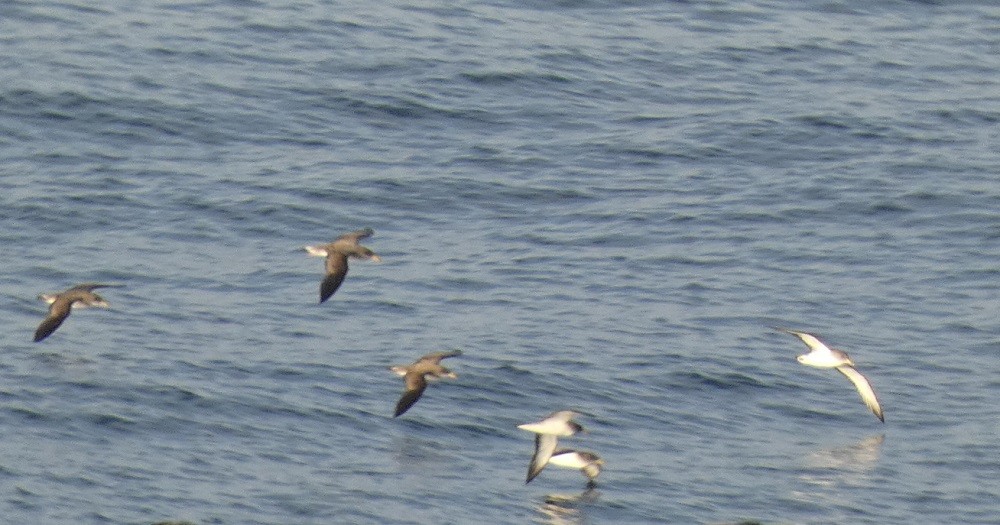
(50,323)
(810,340)
(436,357)
(356,236)
(545,445)
(93,286)
(415,385)
(864,388)
(336,270)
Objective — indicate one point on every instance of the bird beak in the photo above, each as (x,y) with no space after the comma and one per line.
(376,258)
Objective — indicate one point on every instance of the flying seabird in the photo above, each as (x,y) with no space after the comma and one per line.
(60,304)
(587,462)
(822,356)
(336,254)
(415,377)
(547,434)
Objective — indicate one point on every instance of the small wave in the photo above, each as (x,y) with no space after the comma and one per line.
(115,421)
(509,77)
(731,381)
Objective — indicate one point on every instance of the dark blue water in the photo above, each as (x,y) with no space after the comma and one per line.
(604,204)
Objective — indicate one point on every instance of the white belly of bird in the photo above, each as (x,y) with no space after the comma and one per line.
(822,360)
(573,461)
(316,251)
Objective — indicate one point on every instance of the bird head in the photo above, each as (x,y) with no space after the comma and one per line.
(844,355)
(99,302)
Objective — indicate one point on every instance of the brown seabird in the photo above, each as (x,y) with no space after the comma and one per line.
(822,356)
(415,377)
(336,254)
(60,304)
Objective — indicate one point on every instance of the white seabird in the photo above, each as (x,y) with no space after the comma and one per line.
(822,356)
(586,462)
(547,434)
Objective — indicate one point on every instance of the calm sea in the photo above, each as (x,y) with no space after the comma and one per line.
(604,204)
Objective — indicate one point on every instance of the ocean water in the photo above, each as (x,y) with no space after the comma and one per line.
(605,205)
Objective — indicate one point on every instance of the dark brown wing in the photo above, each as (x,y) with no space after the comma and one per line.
(415,385)
(336,270)
(92,286)
(58,312)
(356,236)
(436,357)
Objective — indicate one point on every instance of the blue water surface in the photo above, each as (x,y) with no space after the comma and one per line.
(605,205)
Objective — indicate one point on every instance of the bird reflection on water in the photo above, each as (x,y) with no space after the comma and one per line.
(566,509)
(849,465)
(859,457)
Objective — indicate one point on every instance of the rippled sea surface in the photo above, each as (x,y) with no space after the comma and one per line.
(605,205)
